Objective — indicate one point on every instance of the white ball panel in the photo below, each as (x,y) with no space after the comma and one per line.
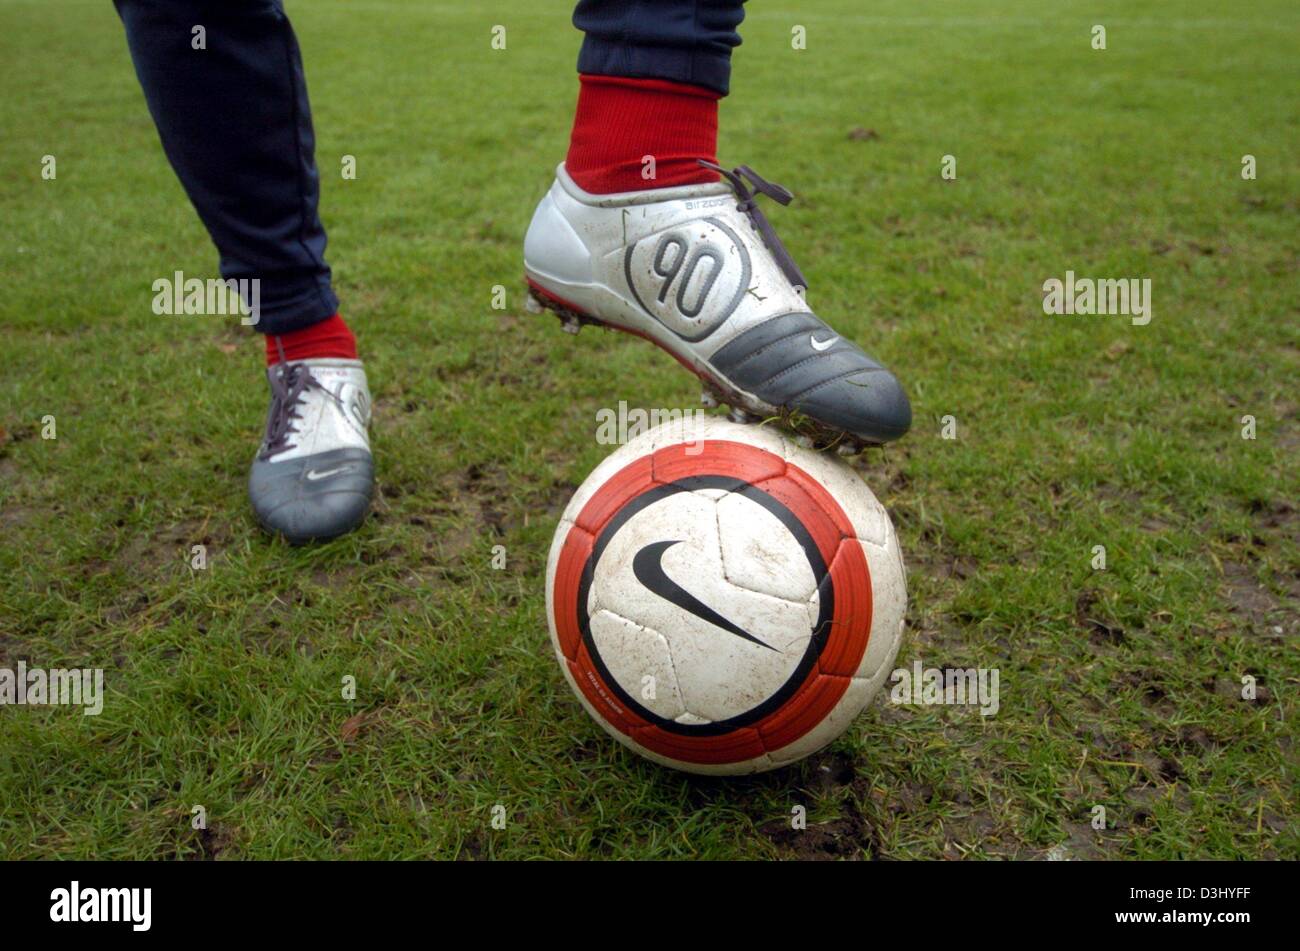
(722,676)
(760,553)
(631,653)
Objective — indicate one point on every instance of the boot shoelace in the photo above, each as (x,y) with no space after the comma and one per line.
(748,185)
(287,387)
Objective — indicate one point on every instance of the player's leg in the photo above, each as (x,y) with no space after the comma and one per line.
(224,83)
(643,232)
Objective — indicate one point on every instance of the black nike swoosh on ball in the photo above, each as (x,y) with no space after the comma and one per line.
(648,567)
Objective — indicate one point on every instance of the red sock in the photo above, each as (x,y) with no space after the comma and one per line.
(620,121)
(329,338)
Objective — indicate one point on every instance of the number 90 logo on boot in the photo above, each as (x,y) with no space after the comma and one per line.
(723,601)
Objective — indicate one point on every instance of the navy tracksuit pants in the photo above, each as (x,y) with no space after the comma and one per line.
(236,125)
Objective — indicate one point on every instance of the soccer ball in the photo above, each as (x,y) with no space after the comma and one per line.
(721,600)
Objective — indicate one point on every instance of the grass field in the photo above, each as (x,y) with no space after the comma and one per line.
(1119,688)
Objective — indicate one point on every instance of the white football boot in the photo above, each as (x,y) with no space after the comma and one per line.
(698,270)
(313,476)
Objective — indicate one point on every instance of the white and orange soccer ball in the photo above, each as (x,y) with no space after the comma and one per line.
(723,601)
